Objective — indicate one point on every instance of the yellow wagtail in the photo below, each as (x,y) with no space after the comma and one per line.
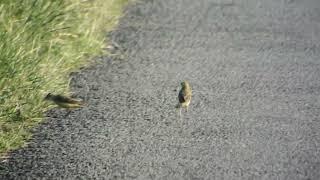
(184,96)
(65,102)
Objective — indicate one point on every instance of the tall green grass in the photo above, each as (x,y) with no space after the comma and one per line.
(41,42)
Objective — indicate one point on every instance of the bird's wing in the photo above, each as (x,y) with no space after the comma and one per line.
(63,99)
(182,97)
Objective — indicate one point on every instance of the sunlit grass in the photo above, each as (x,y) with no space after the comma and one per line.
(41,42)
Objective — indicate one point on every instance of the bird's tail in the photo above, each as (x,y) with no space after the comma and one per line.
(82,103)
(79,102)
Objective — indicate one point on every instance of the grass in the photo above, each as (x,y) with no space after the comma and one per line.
(41,42)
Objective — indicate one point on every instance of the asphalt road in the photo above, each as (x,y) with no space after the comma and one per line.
(254,67)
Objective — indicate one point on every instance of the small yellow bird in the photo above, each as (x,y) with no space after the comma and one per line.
(184,96)
(65,102)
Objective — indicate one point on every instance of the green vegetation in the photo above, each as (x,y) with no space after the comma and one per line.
(41,42)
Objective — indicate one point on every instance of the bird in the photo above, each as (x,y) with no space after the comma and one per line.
(65,102)
(184,96)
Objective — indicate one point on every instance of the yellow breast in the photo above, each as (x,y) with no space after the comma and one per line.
(67,105)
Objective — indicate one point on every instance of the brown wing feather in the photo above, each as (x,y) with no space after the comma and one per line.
(181,96)
(184,96)
(62,99)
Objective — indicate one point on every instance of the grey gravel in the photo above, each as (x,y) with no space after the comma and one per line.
(254,66)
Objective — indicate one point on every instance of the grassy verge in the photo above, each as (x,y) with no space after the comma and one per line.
(41,42)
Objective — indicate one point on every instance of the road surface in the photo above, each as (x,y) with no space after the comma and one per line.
(254,67)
